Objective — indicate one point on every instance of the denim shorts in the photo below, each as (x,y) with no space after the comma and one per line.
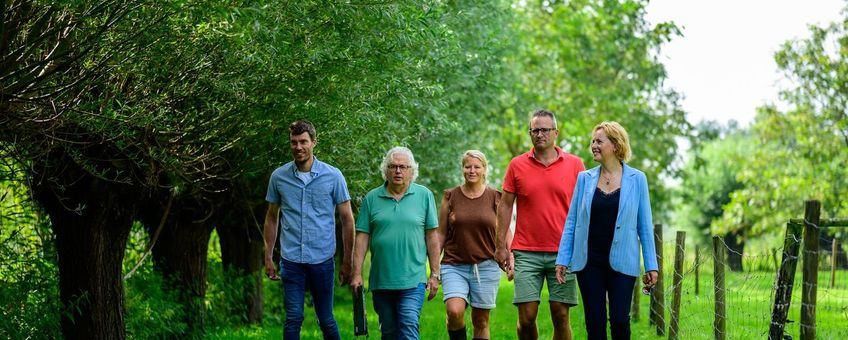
(477,284)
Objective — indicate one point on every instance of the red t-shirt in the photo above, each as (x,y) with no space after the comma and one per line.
(543,195)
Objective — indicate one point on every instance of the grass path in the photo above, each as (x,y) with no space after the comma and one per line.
(749,306)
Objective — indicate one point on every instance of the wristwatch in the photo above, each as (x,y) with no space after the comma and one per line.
(438,276)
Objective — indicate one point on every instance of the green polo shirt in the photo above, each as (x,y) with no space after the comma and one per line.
(398,245)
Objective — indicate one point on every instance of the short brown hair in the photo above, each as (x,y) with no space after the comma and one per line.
(544,113)
(301,126)
(618,136)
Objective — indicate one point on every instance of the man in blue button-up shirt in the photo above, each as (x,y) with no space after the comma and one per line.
(308,192)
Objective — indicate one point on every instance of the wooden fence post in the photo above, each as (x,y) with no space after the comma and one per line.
(774,257)
(834,256)
(718,279)
(812,213)
(657,295)
(697,269)
(785,279)
(679,251)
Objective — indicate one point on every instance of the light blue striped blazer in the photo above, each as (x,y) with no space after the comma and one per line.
(633,225)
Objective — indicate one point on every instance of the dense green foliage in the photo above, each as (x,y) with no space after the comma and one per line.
(590,61)
(28,273)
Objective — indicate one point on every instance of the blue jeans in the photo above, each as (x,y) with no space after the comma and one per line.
(319,279)
(399,311)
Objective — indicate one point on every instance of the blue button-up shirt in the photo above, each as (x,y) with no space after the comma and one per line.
(308,222)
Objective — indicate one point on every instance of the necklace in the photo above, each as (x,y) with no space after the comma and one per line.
(606,177)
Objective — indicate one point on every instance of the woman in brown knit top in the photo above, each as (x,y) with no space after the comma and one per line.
(467,225)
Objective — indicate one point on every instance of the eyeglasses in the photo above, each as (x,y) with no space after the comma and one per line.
(396,167)
(543,131)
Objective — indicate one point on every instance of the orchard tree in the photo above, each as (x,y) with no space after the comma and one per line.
(709,178)
(802,148)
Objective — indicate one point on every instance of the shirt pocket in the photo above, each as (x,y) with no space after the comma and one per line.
(321,203)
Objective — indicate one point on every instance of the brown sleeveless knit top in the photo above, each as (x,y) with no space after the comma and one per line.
(471,229)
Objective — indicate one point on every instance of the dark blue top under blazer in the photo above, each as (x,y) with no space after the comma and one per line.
(633,226)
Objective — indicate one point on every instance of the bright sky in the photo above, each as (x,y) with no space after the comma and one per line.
(723,64)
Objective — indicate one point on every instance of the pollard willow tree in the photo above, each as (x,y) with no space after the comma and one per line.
(180,100)
(87,111)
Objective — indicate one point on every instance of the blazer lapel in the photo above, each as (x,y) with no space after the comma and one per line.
(627,185)
(589,189)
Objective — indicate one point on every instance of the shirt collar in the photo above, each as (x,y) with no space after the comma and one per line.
(384,191)
(560,154)
(317,167)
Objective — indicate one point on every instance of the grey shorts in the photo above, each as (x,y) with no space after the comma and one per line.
(531,269)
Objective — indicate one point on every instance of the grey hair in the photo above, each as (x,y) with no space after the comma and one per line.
(544,113)
(384,166)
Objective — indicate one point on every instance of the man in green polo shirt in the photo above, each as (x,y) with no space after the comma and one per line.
(397,222)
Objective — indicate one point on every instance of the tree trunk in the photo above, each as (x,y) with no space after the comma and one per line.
(91,219)
(736,246)
(242,247)
(180,255)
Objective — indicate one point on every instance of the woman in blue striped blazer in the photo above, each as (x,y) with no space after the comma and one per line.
(609,220)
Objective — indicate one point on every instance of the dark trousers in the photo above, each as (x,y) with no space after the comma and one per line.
(597,283)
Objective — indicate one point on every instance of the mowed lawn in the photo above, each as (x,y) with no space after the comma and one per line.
(749,304)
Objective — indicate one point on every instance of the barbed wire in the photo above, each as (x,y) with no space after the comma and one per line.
(750,292)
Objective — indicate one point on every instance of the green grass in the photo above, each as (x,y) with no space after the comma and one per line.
(749,304)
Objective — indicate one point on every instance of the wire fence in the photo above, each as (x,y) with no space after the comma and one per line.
(719,292)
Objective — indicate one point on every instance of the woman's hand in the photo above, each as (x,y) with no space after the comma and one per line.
(561,271)
(650,278)
(510,272)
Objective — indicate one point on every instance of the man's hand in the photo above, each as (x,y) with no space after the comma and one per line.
(432,286)
(269,234)
(561,272)
(355,282)
(270,270)
(344,273)
(510,274)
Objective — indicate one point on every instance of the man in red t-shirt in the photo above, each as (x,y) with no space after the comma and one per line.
(541,183)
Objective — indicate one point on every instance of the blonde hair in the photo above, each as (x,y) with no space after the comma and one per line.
(477,154)
(618,136)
